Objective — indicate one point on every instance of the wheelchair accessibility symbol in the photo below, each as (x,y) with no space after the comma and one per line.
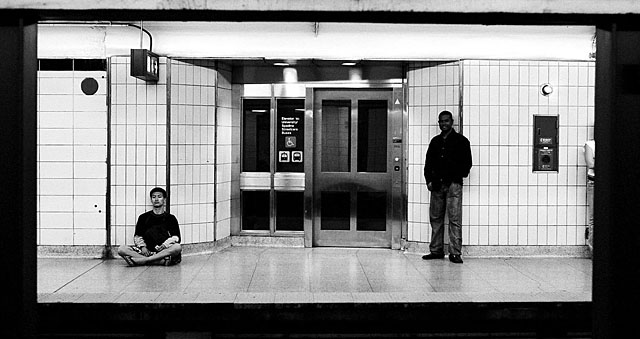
(290,142)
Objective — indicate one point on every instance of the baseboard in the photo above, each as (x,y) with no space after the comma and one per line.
(72,251)
(267,241)
(106,252)
(578,251)
(103,252)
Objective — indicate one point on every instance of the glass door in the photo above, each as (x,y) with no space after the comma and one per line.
(272,177)
(352,168)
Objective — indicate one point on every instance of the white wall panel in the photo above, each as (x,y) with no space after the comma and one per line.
(71,159)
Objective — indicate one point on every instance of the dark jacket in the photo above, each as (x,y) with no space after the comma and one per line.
(448,160)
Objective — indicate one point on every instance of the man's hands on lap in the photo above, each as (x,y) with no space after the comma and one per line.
(145,251)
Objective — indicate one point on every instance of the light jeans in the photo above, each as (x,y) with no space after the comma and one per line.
(590,189)
(448,199)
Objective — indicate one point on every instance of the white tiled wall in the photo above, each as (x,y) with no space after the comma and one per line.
(192,142)
(225,157)
(138,145)
(505,202)
(72,153)
(433,87)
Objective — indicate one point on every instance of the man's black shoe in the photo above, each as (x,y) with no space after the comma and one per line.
(433,256)
(455,258)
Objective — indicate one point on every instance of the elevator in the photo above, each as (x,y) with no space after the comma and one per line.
(323,157)
(355,164)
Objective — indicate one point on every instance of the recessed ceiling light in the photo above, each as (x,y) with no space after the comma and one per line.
(283,64)
(349,63)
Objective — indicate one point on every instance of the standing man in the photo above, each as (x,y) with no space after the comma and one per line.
(448,160)
(590,160)
(157,236)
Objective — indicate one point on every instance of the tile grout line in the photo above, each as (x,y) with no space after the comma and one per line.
(78,277)
(529,276)
(255,268)
(419,272)
(198,272)
(363,271)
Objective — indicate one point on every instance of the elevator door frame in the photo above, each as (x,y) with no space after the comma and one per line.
(395,155)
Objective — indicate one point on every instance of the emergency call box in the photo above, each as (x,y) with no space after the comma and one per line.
(545,130)
(545,143)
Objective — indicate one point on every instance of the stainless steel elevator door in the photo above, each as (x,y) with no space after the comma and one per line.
(352,168)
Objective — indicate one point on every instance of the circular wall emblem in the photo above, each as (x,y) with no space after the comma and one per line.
(89,86)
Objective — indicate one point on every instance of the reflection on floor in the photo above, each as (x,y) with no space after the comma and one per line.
(314,275)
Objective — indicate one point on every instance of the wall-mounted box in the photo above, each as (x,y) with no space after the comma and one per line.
(144,65)
(545,143)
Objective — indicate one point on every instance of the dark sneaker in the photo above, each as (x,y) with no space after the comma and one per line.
(433,256)
(455,258)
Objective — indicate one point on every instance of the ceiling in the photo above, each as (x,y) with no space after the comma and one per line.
(320,41)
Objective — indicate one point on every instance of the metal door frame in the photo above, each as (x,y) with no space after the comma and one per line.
(396,154)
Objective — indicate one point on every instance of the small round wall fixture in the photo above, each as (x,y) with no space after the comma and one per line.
(546,89)
(89,86)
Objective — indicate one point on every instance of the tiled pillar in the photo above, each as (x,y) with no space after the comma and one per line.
(433,87)
(193,160)
(226,157)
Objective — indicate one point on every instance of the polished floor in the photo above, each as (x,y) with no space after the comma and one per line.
(242,275)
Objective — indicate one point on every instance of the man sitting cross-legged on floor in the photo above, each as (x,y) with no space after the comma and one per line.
(157,236)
